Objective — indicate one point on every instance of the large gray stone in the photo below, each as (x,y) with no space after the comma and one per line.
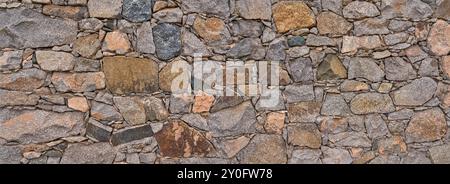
(167,39)
(417,93)
(220,8)
(335,105)
(247,47)
(301,69)
(247,28)
(255,9)
(192,45)
(233,121)
(376,127)
(398,69)
(371,26)
(144,39)
(360,9)
(137,10)
(98,153)
(299,93)
(365,68)
(412,9)
(104,112)
(22,28)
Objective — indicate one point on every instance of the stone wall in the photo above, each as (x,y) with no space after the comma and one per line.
(89,81)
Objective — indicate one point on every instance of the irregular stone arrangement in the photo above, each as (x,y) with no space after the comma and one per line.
(89,81)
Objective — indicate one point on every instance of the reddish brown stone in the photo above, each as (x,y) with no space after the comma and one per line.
(78,103)
(71,12)
(202,103)
(211,29)
(292,15)
(176,139)
(275,122)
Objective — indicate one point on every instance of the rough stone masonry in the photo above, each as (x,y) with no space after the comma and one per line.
(88,81)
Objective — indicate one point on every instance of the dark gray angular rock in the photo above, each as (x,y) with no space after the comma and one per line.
(180,103)
(301,69)
(167,39)
(246,47)
(137,10)
(296,41)
(98,131)
(277,50)
(131,134)
(22,28)
(247,28)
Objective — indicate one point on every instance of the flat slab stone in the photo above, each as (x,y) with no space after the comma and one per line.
(22,28)
(39,126)
(119,70)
